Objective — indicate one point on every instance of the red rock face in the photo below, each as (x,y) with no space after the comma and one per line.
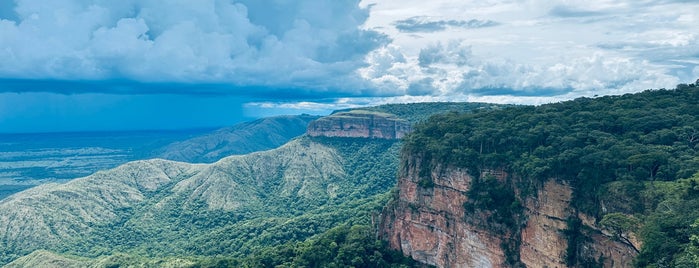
(359,125)
(543,243)
(431,225)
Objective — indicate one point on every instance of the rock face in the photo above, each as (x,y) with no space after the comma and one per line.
(543,243)
(429,222)
(360,124)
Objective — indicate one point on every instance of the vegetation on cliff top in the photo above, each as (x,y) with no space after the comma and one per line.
(418,112)
(631,151)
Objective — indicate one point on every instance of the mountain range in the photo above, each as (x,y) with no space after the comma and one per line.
(236,206)
(593,182)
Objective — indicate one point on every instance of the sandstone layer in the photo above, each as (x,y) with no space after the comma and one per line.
(429,222)
(360,124)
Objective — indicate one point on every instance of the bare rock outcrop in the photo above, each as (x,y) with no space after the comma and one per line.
(360,124)
(427,220)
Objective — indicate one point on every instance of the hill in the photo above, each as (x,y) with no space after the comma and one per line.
(230,207)
(593,182)
(27,160)
(258,135)
(271,207)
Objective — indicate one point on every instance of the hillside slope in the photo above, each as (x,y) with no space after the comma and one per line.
(194,209)
(259,135)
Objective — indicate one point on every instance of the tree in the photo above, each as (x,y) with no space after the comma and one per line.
(621,225)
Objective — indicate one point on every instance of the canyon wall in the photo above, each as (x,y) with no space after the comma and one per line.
(360,124)
(428,221)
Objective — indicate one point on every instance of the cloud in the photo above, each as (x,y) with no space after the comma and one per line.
(568,11)
(242,44)
(310,50)
(453,69)
(324,107)
(423,87)
(426,24)
(540,50)
(454,53)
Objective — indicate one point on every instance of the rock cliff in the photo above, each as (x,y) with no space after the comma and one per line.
(433,220)
(360,124)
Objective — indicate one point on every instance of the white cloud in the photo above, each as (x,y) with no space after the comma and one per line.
(313,44)
(320,49)
(539,50)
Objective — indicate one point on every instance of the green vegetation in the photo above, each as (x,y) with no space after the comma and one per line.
(280,204)
(418,112)
(631,153)
(341,246)
(667,231)
(497,204)
(262,134)
(234,207)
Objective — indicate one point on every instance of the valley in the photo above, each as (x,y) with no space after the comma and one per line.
(27,160)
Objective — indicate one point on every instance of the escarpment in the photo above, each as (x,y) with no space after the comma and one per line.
(605,182)
(360,124)
(448,217)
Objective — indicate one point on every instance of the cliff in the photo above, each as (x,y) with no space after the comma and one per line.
(450,218)
(360,124)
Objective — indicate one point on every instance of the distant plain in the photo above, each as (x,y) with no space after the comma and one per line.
(30,159)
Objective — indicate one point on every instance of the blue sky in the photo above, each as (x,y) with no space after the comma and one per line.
(101,65)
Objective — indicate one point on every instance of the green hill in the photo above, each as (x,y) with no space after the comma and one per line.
(259,135)
(163,208)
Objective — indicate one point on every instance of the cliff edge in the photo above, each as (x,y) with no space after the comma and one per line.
(360,124)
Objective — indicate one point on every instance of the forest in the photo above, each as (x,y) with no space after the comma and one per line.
(632,161)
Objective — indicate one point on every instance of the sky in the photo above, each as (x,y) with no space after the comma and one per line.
(73,65)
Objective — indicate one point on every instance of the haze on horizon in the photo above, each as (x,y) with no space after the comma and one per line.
(70,65)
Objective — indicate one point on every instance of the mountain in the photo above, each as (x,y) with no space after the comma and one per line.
(259,135)
(265,208)
(603,182)
(27,160)
(228,207)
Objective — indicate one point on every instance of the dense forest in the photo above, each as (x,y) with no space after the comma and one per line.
(419,112)
(631,161)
